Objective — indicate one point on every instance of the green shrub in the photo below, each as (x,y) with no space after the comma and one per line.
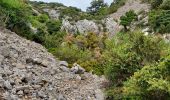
(17,4)
(53,26)
(160,21)
(54,40)
(96,6)
(165,5)
(15,16)
(156,3)
(150,83)
(72,54)
(127,19)
(72,12)
(128,53)
(43,18)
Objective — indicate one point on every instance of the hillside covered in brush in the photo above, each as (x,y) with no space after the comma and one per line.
(126,43)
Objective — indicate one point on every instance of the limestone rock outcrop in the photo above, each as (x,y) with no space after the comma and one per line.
(85,26)
(81,26)
(54,14)
(29,72)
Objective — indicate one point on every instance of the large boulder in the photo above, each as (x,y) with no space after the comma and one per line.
(85,26)
(77,69)
(81,26)
(29,72)
(112,26)
(67,27)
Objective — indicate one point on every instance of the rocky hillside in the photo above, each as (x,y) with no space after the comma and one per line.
(135,5)
(109,24)
(127,47)
(28,71)
(112,22)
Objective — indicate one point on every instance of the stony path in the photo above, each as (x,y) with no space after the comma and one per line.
(29,72)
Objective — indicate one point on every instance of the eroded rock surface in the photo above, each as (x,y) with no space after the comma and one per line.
(81,26)
(29,72)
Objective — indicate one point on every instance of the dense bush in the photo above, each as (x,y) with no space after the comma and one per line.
(53,26)
(159,17)
(136,66)
(53,40)
(127,19)
(72,12)
(12,3)
(15,16)
(156,3)
(150,83)
(71,53)
(96,6)
(160,21)
(128,53)
(85,50)
(165,5)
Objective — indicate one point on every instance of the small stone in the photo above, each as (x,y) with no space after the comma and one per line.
(81,70)
(5,51)
(18,81)
(2,82)
(1,58)
(77,69)
(60,97)
(74,69)
(84,76)
(2,70)
(20,66)
(37,86)
(45,63)
(12,81)
(26,91)
(23,87)
(6,95)
(78,77)
(20,92)
(34,95)
(14,91)
(99,94)
(29,67)
(14,97)
(8,85)
(41,94)
(65,69)
(63,63)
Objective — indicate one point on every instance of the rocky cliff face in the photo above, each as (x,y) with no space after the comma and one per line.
(28,71)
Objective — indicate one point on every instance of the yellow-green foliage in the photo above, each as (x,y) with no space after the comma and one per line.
(150,83)
(126,53)
(15,16)
(71,53)
(12,3)
(85,50)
